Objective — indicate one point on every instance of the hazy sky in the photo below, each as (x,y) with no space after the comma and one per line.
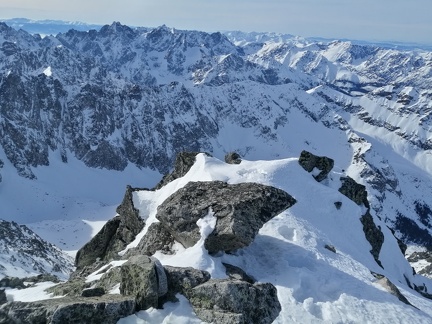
(391,20)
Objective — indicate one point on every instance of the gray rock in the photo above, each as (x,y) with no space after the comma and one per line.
(374,235)
(157,238)
(110,279)
(115,235)
(330,248)
(338,205)
(161,277)
(354,191)
(241,210)
(108,310)
(71,288)
(183,163)
(233,158)
(93,292)
(227,301)
(3,298)
(139,279)
(98,246)
(237,273)
(182,280)
(310,161)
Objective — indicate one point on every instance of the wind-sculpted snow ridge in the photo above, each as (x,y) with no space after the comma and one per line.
(117,99)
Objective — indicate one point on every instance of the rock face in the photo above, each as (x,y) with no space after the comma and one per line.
(227,301)
(241,210)
(66,310)
(354,191)
(373,235)
(114,235)
(310,161)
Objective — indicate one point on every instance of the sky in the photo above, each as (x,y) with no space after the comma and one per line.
(371,20)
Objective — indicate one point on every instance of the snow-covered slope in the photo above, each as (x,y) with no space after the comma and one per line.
(314,284)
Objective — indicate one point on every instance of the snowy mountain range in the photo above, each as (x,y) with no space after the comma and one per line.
(84,113)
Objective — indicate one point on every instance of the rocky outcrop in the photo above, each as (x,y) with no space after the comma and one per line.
(114,235)
(183,163)
(233,158)
(357,193)
(373,234)
(227,301)
(107,310)
(354,191)
(309,162)
(241,210)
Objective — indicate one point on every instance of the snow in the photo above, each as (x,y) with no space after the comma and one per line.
(47,71)
(37,292)
(314,285)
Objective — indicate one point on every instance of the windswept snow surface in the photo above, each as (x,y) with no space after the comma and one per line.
(314,284)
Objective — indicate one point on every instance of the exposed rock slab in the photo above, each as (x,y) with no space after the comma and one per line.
(241,210)
(227,301)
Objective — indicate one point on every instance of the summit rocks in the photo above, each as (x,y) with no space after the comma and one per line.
(241,210)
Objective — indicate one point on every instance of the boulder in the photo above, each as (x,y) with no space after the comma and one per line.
(241,210)
(234,301)
(114,236)
(183,163)
(354,191)
(107,309)
(233,158)
(139,278)
(309,162)
(182,280)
